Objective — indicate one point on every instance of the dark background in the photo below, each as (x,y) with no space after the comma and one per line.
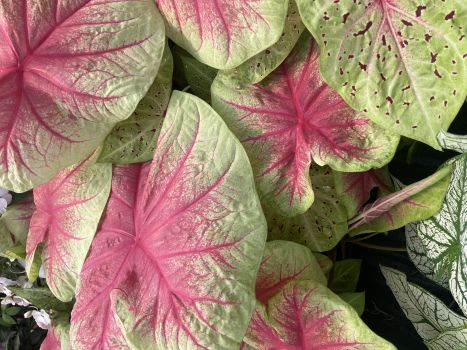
(382,312)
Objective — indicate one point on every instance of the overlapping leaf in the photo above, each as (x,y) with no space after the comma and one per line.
(68,210)
(322,226)
(303,313)
(444,235)
(417,201)
(174,263)
(354,189)
(224,34)
(261,65)
(134,139)
(439,327)
(291,118)
(68,72)
(402,63)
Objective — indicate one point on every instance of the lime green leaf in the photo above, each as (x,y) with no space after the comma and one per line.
(415,202)
(356,300)
(345,276)
(198,75)
(402,63)
(259,66)
(68,210)
(323,225)
(134,139)
(223,34)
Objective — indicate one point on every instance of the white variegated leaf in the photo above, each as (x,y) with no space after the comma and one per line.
(444,235)
(437,325)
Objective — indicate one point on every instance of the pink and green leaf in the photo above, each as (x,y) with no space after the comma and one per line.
(69,71)
(296,311)
(293,118)
(402,63)
(134,140)
(175,260)
(323,225)
(415,202)
(223,34)
(285,262)
(261,65)
(354,189)
(58,337)
(68,210)
(18,216)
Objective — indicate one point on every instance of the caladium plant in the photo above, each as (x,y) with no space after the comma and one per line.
(439,327)
(180,243)
(67,211)
(443,235)
(161,143)
(401,63)
(296,311)
(224,34)
(293,118)
(68,72)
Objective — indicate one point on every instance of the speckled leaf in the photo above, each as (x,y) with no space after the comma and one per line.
(292,118)
(175,260)
(261,65)
(223,34)
(68,210)
(198,75)
(417,201)
(345,276)
(417,253)
(444,235)
(400,62)
(285,262)
(323,225)
(439,327)
(69,71)
(134,139)
(354,189)
(296,311)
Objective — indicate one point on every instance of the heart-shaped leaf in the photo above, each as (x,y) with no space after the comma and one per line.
(175,260)
(402,63)
(303,313)
(261,65)
(291,118)
(69,70)
(68,210)
(224,34)
(322,226)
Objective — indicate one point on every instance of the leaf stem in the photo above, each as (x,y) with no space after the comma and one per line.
(380,247)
